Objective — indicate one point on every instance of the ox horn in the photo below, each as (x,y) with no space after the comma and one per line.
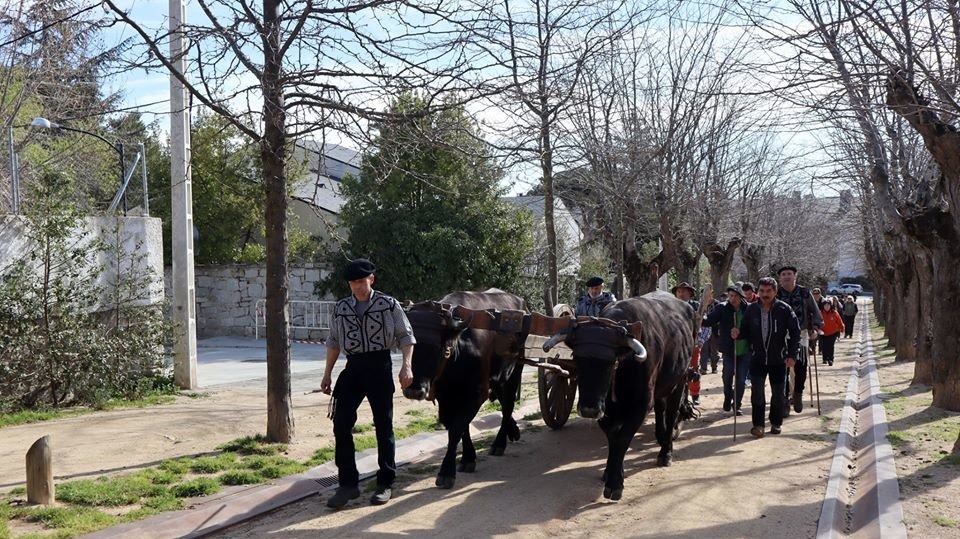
(556,339)
(638,349)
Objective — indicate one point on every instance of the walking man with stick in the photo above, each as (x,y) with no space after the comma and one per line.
(807,312)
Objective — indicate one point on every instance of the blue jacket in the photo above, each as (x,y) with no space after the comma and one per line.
(784,338)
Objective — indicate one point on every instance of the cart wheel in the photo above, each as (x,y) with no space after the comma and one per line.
(557,394)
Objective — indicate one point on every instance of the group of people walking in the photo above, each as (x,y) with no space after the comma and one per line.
(764,333)
(769,333)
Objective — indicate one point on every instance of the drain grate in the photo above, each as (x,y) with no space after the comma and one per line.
(326,482)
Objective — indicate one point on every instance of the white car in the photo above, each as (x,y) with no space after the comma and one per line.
(848,289)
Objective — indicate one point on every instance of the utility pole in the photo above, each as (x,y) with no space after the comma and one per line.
(181,210)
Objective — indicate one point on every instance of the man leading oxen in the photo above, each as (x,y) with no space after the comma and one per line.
(619,379)
(469,349)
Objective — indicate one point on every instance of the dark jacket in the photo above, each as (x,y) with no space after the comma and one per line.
(804,306)
(721,319)
(784,339)
(587,306)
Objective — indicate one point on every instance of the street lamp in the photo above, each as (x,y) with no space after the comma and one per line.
(118,147)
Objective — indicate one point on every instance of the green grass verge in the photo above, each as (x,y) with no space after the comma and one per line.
(219,463)
(201,486)
(253,445)
(110,492)
(240,477)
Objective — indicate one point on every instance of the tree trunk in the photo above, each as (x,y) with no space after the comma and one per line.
(721,260)
(273,154)
(752,256)
(938,229)
(546,164)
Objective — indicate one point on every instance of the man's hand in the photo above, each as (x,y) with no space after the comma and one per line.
(791,362)
(406,376)
(734,333)
(326,383)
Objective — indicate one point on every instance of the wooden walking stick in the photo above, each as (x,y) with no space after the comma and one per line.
(816,379)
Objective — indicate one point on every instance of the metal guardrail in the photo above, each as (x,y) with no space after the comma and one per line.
(303,315)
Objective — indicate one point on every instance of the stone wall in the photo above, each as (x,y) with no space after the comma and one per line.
(227,297)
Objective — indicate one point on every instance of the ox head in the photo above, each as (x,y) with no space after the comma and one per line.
(436,329)
(599,347)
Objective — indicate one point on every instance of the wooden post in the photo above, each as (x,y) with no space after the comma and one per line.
(40,487)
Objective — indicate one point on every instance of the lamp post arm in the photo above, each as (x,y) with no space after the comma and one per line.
(113,145)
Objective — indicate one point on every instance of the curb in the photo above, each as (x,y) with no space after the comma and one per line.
(211,516)
(863,458)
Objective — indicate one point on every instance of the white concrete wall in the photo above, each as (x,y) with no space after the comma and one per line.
(227,296)
(140,241)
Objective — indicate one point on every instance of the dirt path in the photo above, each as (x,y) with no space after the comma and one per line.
(549,484)
(122,440)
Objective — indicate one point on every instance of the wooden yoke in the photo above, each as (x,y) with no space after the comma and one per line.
(547,326)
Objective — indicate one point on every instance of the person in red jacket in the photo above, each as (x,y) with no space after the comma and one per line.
(832,329)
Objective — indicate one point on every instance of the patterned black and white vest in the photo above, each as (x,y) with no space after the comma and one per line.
(383,326)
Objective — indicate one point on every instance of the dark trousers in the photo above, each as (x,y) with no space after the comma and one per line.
(800,372)
(710,353)
(743,369)
(827,345)
(848,321)
(366,375)
(758,399)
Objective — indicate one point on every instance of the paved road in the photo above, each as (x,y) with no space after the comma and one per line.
(242,362)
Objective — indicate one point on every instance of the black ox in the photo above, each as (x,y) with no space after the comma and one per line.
(469,349)
(618,382)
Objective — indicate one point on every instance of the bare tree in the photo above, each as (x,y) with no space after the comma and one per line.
(542,50)
(279,71)
(861,65)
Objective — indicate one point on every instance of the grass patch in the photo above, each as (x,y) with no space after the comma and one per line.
(253,445)
(158,476)
(177,466)
(945,522)
(240,477)
(421,424)
(360,429)
(896,405)
(35,416)
(322,455)
(111,492)
(69,521)
(164,502)
(415,412)
(898,438)
(201,486)
(493,406)
(535,416)
(274,467)
(219,463)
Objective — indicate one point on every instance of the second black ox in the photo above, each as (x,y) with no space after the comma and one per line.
(619,382)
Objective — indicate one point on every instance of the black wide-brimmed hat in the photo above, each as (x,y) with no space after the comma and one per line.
(785,268)
(684,284)
(358,269)
(594,281)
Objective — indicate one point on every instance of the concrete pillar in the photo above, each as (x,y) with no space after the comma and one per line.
(181,204)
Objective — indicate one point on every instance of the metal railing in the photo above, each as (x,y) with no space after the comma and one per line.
(303,315)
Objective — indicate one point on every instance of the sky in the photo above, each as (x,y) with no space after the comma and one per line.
(149,91)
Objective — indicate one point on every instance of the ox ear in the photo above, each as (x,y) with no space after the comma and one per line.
(636,329)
